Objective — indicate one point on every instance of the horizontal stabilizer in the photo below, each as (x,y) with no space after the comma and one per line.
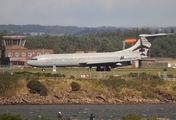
(155,35)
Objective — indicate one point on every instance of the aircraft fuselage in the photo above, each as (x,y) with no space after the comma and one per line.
(86,59)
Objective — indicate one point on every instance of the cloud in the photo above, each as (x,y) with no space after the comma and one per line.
(89,13)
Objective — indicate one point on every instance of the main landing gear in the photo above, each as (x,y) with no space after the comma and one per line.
(99,68)
(104,68)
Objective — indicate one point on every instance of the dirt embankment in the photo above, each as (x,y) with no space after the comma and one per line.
(68,98)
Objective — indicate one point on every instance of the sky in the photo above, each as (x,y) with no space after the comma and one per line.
(89,13)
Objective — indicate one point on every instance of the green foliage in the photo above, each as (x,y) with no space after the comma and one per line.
(149,93)
(154,77)
(145,87)
(8,82)
(75,86)
(164,47)
(10,116)
(111,76)
(38,74)
(72,77)
(53,75)
(105,41)
(170,76)
(174,88)
(102,42)
(36,87)
(132,74)
(23,72)
(43,118)
(144,75)
(130,116)
(154,117)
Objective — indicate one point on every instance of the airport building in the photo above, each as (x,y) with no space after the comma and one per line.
(15,54)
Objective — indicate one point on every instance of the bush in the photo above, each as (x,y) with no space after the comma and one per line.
(170,76)
(9,116)
(23,72)
(154,77)
(36,87)
(132,74)
(75,86)
(53,75)
(131,117)
(43,118)
(174,88)
(72,77)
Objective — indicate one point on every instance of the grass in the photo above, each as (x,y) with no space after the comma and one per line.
(107,85)
(11,84)
(121,71)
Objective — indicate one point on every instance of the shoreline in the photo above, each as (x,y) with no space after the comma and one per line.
(36,99)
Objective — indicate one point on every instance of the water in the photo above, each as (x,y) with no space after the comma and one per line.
(100,111)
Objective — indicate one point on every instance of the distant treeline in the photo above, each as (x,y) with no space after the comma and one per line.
(102,42)
(33,30)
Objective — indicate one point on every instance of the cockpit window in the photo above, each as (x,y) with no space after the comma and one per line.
(33,58)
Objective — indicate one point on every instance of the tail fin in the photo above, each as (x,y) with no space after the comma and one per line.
(143,45)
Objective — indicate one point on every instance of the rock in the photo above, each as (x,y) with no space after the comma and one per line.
(58,97)
(68,99)
(100,97)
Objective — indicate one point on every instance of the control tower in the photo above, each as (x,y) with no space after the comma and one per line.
(15,54)
(13,42)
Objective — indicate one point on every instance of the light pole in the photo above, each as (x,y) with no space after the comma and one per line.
(123,44)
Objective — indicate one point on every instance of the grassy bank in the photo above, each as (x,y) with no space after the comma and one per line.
(135,83)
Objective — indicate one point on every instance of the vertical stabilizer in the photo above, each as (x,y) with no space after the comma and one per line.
(143,45)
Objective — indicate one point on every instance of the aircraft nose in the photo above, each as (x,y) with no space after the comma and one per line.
(29,62)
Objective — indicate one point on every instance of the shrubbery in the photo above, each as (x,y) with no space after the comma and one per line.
(44,118)
(143,76)
(75,86)
(10,116)
(36,87)
(53,75)
(130,117)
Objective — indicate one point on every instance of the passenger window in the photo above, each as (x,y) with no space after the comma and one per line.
(34,59)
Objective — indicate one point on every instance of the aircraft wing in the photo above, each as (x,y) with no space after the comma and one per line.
(95,62)
(99,62)
(92,62)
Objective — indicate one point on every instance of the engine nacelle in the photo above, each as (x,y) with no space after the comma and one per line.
(124,63)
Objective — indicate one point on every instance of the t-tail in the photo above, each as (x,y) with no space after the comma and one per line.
(142,46)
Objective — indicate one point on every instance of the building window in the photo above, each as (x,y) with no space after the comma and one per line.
(10,54)
(17,62)
(20,62)
(23,54)
(30,54)
(14,63)
(17,54)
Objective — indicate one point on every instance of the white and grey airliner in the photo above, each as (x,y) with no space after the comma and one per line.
(102,61)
